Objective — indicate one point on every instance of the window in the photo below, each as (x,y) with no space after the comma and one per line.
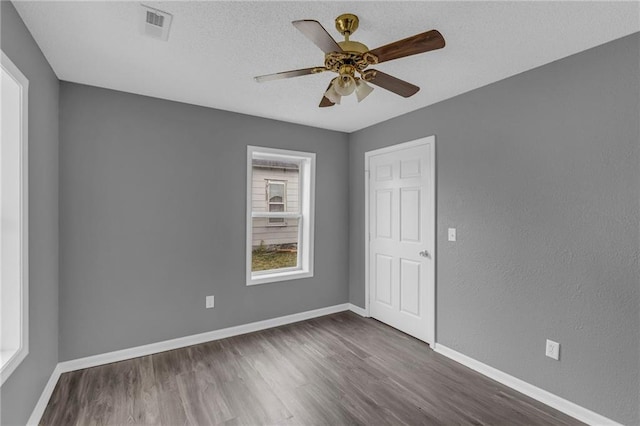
(276,197)
(280,197)
(14,341)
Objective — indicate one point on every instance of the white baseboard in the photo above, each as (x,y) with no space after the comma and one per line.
(534,392)
(41,405)
(554,401)
(152,348)
(358,310)
(181,342)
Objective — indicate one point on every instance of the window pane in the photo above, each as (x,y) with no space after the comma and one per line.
(276,192)
(279,221)
(275,180)
(274,247)
(10,211)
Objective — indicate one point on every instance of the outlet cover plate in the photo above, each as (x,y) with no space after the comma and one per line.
(452,234)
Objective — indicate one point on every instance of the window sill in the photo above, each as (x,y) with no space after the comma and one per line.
(277,277)
(9,361)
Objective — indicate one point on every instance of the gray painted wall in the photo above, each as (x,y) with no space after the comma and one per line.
(540,175)
(152,219)
(21,391)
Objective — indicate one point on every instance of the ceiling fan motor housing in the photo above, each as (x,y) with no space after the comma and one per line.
(355,56)
(335,61)
(353,46)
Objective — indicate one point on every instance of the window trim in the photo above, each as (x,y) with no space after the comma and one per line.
(305,217)
(14,360)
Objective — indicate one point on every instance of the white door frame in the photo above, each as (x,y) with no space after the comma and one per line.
(431,141)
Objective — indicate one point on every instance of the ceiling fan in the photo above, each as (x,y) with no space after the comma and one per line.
(349,58)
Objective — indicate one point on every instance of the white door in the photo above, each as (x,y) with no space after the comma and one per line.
(401,237)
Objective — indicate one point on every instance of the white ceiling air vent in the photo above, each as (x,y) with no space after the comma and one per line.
(155,23)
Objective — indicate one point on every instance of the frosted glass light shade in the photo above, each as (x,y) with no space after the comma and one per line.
(362,89)
(344,85)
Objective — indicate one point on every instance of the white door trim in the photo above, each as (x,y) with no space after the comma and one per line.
(431,141)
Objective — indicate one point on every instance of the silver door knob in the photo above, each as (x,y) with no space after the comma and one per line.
(424,253)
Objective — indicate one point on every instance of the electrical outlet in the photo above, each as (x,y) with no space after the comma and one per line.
(210,302)
(452,234)
(553,350)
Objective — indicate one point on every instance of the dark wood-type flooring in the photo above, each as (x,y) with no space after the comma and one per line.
(338,369)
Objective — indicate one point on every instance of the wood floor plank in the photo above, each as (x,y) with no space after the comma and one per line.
(148,397)
(98,398)
(63,405)
(167,366)
(337,369)
(203,399)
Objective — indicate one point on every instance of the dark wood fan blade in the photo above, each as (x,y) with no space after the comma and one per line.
(325,102)
(318,35)
(288,74)
(392,84)
(419,43)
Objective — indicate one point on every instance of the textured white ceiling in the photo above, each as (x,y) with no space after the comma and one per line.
(215,49)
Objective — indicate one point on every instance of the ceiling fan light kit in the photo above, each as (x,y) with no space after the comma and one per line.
(349,58)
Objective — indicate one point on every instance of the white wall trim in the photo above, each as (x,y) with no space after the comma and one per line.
(41,405)
(21,352)
(152,348)
(307,183)
(554,401)
(358,310)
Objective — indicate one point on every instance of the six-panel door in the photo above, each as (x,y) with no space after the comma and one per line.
(401,239)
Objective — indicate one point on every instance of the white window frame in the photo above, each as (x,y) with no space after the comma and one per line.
(305,216)
(10,360)
(284,201)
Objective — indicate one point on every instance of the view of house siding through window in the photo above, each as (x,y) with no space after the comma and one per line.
(275,189)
